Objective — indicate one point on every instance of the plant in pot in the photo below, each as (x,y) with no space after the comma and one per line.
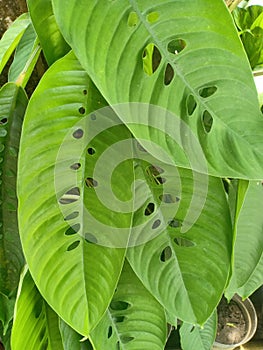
(121,162)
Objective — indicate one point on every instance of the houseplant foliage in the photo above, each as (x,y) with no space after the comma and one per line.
(115,249)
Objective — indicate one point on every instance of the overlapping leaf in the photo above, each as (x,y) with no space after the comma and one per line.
(199,72)
(54,192)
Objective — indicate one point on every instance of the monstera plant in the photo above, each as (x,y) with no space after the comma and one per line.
(131,176)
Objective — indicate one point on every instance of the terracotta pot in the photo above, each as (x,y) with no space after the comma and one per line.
(250,318)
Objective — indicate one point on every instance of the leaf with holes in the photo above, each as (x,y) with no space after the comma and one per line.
(11,38)
(248,246)
(199,72)
(71,339)
(134,320)
(53,44)
(26,56)
(36,325)
(185,263)
(198,338)
(13,102)
(57,196)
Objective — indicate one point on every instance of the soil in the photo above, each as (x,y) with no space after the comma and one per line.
(231,328)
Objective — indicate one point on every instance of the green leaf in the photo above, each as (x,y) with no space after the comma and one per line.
(71,339)
(11,38)
(199,338)
(186,265)
(134,320)
(55,191)
(13,102)
(6,311)
(248,248)
(53,44)
(26,56)
(36,325)
(198,74)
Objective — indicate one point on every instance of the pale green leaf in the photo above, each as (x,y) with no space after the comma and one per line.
(55,190)
(201,74)
(13,103)
(134,320)
(11,38)
(36,325)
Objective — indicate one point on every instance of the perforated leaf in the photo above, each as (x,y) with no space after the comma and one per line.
(53,44)
(36,325)
(13,102)
(54,190)
(11,38)
(186,265)
(199,72)
(134,320)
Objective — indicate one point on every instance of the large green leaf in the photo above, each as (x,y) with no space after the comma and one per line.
(26,56)
(186,265)
(198,338)
(53,44)
(11,38)
(55,188)
(203,76)
(13,102)
(248,248)
(134,320)
(36,325)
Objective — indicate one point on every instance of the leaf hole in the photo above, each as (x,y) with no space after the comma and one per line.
(90,182)
(207,121)
(119,319)
(159,180)
(126,339)
(109,332)
(3,121)
(75,166)
(90,238)
(78,134)
(149,209)
(168,198)
(133,19)
(156,224)
(226,185)
(82,110)
(183,242)
(70,196)
(176,46)
(174,223)
(72,230)
(72,216)
(168,75)
(91,151)
(118,347)
(151,59)
(152,17)
(119,305)
(207,91)
(85,92)
(190,104)
(166,254)
(155,170)
(73,246)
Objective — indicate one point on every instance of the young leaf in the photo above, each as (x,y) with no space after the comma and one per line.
(56,191)
(13,102)
(26,55)
(53,44)
(197,74)
(198,338)
(11,38)
(36,325)
(134,320)
(248,247)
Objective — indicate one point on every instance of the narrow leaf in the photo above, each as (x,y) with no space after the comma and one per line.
(11,38)
(13,102)
(36,326)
